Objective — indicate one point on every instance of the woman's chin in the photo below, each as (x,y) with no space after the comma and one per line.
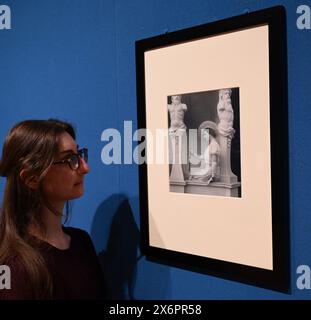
(78,192)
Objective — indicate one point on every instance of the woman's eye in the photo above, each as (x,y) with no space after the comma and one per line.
(71,159)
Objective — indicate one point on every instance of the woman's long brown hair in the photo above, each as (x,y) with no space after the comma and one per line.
(31,146)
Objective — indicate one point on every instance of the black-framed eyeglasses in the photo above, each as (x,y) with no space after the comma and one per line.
(74,159)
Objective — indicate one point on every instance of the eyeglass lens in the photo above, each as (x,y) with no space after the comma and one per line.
(75,161)
(83,153)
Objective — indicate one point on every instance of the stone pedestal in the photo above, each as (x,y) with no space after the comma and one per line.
(213,188)
(226,175)
(177,187)
(178,157)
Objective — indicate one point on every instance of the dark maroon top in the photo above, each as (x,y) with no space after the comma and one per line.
(76,271)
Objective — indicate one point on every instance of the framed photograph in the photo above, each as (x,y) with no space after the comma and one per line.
(212,101)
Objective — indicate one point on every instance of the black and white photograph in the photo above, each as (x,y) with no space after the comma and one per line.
(204,142)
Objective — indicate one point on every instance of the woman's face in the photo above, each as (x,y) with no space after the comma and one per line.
(61,183)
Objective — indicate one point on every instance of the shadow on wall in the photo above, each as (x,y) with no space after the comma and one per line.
(116,238)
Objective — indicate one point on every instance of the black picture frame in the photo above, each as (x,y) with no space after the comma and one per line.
(277,278)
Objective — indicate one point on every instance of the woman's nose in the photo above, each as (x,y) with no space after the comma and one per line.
(84,167)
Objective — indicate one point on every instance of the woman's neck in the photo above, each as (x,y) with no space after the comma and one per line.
(53,233)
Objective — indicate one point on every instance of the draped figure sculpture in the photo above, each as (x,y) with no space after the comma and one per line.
(225,113)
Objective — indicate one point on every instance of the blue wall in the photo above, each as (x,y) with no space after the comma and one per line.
(75,60)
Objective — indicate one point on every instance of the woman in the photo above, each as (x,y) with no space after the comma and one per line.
(44,169)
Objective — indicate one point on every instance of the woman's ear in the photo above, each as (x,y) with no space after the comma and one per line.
(30,180)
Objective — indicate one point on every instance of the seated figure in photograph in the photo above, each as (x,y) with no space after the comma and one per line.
(209,159)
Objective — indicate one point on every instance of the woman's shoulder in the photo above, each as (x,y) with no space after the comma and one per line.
(81,241)
(75,231)
(15,264)
(78,235)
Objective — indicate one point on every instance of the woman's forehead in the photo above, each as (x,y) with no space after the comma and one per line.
(66,142)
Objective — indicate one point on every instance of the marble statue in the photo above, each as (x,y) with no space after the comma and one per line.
(225,113)
(177,111)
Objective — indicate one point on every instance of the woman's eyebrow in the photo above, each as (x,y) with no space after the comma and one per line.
(68,151)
